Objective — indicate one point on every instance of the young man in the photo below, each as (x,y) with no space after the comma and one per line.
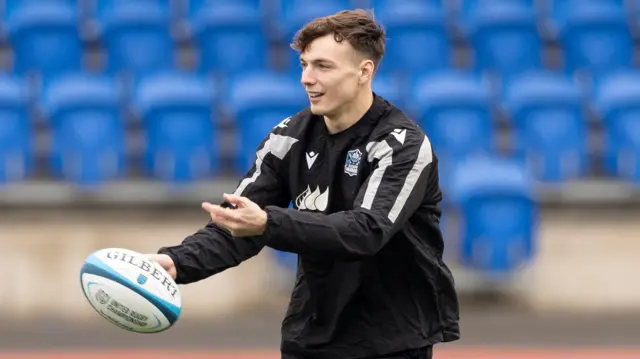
(363,178)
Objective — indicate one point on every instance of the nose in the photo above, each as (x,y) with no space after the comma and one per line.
(307,78)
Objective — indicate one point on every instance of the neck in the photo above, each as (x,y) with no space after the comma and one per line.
(350,114)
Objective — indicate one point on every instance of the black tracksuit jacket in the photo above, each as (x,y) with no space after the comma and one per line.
(365,225)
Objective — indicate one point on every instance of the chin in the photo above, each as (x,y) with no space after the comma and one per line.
(317,110)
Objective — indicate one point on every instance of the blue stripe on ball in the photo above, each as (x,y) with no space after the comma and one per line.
(97,267)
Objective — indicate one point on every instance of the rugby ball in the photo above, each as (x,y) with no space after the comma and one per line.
(130,291)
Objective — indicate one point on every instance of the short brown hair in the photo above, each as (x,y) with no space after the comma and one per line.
(356,26)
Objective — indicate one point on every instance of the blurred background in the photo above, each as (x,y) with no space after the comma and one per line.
(118,117)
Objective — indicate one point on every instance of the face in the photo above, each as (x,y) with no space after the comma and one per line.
(333,74)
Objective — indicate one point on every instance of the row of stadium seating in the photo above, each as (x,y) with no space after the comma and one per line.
(231,35)
(462,13)
(180,114)
(498,234)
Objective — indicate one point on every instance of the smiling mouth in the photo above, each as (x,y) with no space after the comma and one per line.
(315,95)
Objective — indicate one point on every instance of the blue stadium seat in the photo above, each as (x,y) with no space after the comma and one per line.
(230,37)
(179,124)
(289,261)
(16,148)
(389,87)
(550,130)
(196,6)
(596,37)
(453,107)
(560,11)
(505,38)
(295,14)
(88,132)
(259,101)
(103,7)
(292,7)
(137,36)
(498,209)
(10,6)
(464,11)
(45,38)
(617,99)
(418,41)
(469,7)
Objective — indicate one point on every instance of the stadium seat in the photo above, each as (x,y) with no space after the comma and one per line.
(10,6)
(137,36)
(464,11)
(453,107)
(560,11)
(179,125)
(389,87)
(258,102)
(505,38)
(550,130)
(16,148)
(595,37)
(617,99)
(498,209)
(45,38)
(196,6)
(102,7)
(288,261)
(293,15)
(230,37)
(87,130)
(418,41)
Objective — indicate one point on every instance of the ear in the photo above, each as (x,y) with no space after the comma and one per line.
(366,70)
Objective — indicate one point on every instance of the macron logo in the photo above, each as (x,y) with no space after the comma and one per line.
(311,158)
(313,200)
(399,134)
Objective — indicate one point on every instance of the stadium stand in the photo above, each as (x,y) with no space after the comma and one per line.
(165,101)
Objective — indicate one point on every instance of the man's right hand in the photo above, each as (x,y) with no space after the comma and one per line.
(165,262)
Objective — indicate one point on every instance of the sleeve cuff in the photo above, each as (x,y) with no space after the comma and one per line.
(273,224)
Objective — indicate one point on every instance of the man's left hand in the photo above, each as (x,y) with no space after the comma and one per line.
(246,220)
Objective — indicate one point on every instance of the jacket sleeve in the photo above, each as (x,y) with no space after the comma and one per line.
(404,177)
(212,249)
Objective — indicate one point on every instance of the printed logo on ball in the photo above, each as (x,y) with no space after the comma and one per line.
(147,267)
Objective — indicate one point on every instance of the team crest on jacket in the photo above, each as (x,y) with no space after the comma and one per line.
(352,162)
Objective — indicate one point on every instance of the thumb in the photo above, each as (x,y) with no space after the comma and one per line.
(162,259)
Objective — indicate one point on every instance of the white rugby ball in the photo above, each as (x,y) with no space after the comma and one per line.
(130,291)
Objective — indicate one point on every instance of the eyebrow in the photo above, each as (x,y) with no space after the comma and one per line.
(316,61)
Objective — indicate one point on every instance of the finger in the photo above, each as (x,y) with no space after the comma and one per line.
(222,215)
(235,199)
(214,208)
(208,206)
